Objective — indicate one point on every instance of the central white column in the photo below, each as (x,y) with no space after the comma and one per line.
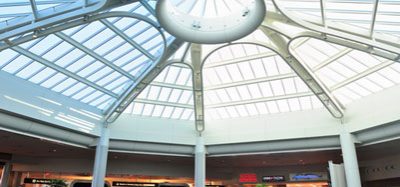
(200,163)
(5,175)
(350,160)
(100,162)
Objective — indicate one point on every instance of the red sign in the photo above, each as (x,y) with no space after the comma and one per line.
(248,177)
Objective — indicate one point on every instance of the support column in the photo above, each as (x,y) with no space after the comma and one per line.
(17,179)
(200,163)
(100,162)
(350,160)
(5,175)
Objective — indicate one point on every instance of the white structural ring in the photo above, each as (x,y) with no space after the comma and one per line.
(210,30)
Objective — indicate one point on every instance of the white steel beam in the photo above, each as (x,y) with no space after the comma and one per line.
(198,94)
(251,81)
(169,85)
(163,103)
(128,39)
(373,21)
(22,3)
(260,100)
(362,75)
(141,82)
(34,9)
(94,55)
(322,93)
(62,70)
(240,59)
(331,59)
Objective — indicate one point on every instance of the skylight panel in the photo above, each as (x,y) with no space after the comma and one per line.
(79,95)
(172,74)
(96,102)
(305,103)
(212,96)
(234,72)
(186,97)
(270,66)
(53,80)
(251,49)
(187,113)
(69,58)
(80,64)
(391,74)
(167,112)
(289,86)
(45,44)
(108,79)
(330,77)
(380,80)
(117,82)
(137,108)
(184,76)
(316,103)
(123,49)
(294,104)
(300,85)
(233,94)
(177,113)
(148,109)
(223,74)
(356,88)
(58,51)
(222,113)
(99,74)
(283,105)
(244,93)
(74,89)
(16,64)
(64,84)
(246,70)
(242,111)
(211,77)
(262,108)
(6,56)
(254,90)
(272,107)
(237,50)
(223,95)
(232,111)
(175,95)
(165,93)
(252,110)
(110,45)
(158,110)
(30,70)
(225,53)
(258,68)
(343,70)
(92,96)
(42,75)
(277,87)
(353,64)
(266,89)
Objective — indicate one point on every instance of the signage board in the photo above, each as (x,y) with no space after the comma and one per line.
(37,181)
(276,178)
(248,177)
(134,184)
(312,176)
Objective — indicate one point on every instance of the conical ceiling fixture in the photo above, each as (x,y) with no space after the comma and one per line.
(210,21)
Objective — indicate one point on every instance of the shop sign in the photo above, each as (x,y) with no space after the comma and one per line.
(314,176)
(248,177)
(135,184)
(37,181)
(276,178)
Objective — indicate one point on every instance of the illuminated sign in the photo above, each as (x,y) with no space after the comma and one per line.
(278,178)
(317,176)
(37,181)
(135,184)
(248,177)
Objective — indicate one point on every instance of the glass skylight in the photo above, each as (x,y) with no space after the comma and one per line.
(92,63)
(383,17)
(349,74)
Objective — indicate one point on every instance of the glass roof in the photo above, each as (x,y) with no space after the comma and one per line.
(96,62)
(382,16)
(349,74)
(92,63)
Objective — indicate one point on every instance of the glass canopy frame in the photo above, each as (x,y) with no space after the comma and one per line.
(253,81)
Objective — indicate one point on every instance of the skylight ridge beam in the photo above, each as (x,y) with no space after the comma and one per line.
(128,39)
(94,55)
(61,70)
